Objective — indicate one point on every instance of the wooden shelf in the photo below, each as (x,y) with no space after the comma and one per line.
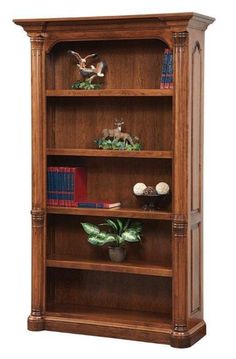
(108,153)
(114,212)
(125,267)
(128,319)
(110,93)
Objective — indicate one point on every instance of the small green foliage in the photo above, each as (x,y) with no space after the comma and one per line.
(90,228)
(85,85)
(114,144)
(119,232)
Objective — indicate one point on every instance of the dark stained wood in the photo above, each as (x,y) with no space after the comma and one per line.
(107,153)
(164,17)
(112,179)
(113,212)
(38,181)
(77,122)
(108,316)
(195,269)
(106,266)
(109,322)
(122,291)
(66,238)
(156,294)
(110,93)
(125,57)
(196,73)
(181,184)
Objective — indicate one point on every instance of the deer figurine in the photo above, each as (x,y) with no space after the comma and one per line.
(116,133)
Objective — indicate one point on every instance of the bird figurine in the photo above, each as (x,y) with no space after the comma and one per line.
(82,61)
(89,72)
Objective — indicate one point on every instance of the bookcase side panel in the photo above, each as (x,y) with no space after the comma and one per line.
(196,79)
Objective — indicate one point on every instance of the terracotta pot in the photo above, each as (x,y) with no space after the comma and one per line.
(117,254)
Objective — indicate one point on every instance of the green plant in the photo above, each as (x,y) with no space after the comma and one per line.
(114,144)
(86,85)
(119,232)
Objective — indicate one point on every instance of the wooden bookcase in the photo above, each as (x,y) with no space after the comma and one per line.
(156,294)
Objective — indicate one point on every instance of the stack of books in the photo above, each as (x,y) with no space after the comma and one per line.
(98,204)
(66,186)
(167,70)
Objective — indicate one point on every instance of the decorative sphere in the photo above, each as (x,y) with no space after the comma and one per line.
(162,188)
(149,191)
(139,188)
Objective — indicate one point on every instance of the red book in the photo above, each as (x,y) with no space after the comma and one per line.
(79,185)
(60,186)
(71,171)
(67,186)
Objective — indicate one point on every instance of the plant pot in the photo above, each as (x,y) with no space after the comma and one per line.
(117,254)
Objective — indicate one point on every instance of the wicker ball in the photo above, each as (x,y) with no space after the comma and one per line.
(149,191)
(162,188)
(139,188)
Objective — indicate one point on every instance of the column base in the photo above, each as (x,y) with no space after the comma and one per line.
(187,338)
(35,323)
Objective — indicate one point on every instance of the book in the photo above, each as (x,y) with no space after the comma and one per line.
(167,70)
(60,187)
(171,69)
(66,186)
(164,68)
(51,184)
(79,184)
(95,204)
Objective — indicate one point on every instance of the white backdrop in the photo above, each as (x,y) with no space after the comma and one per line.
(219,184)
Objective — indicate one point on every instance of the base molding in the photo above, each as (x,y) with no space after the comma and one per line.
(161,335)
(108,329)
(187,338)
(35,323)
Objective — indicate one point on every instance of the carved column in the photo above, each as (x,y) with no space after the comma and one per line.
(35,321)
(179,235)
(181,190)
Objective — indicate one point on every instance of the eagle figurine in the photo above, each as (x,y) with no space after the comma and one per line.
(89,72)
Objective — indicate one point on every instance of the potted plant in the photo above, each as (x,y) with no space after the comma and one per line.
(118,233)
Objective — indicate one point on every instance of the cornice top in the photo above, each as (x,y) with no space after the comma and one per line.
(188,19)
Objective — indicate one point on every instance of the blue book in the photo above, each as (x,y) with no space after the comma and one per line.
(164,68)
(169,71)
(60,196)
(106,205)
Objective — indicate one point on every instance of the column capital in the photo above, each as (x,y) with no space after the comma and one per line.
(36,40)
(180,39)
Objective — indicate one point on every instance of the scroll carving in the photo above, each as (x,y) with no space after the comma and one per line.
(38,217)
(179,226)
(180,40)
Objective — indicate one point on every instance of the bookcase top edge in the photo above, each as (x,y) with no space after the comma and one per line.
(185,16)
